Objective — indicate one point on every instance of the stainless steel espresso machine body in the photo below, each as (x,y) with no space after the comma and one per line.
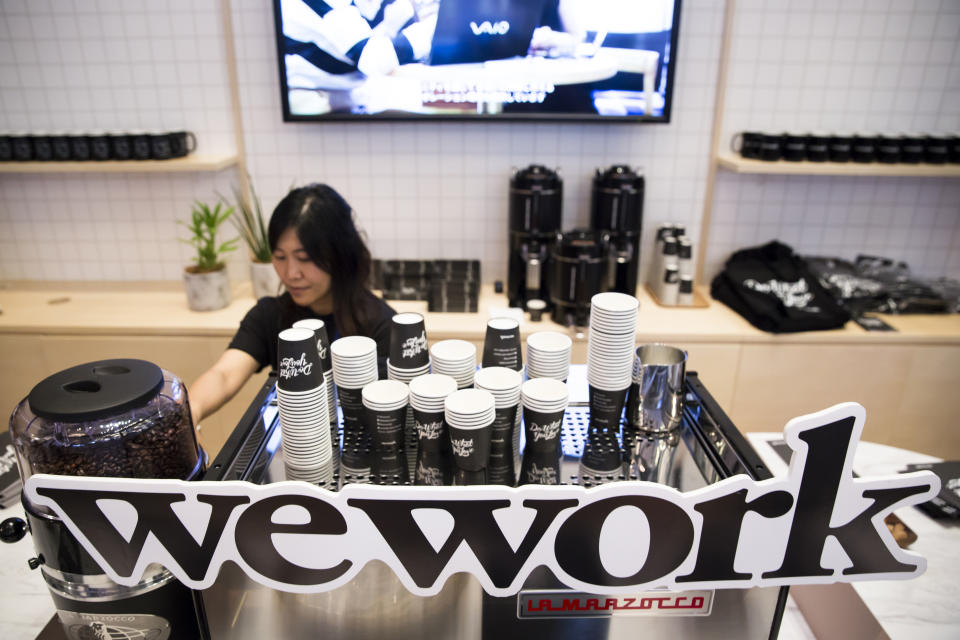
(616,208)
(536,202)
(704,449)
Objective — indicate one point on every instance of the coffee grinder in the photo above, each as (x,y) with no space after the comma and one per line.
(616,208)
(117,418)
(536,198)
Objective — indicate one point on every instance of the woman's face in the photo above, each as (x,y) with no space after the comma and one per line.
(308,284)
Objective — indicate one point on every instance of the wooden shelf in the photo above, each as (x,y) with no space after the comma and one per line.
(738,164)
(197,162)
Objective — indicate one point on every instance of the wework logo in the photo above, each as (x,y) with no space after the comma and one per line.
(735,533)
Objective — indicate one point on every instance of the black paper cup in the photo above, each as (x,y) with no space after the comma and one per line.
(542,429)
(351,404)
(540,469)
(385,427)
(431,430)
(319,329)
(504,420)
(408,341)
(299,365)
(465,477)
(432,470)
(470,447)
(500,467)
(388,466)
(606,407)
(501,345)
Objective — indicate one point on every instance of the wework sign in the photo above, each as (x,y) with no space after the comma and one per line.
(817,524)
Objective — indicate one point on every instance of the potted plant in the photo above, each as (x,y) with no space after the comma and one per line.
(250,225)
(208,287)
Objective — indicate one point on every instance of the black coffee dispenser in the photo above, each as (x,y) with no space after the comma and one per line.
(579,266)
(536,197)
(616,207)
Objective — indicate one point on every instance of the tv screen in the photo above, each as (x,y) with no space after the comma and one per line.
(477,59)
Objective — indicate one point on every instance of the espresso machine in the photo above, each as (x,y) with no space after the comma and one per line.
(616,208)
(536,198)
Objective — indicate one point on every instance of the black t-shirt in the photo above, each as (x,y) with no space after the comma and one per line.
(259,329)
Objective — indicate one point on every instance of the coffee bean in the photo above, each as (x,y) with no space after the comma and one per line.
(157,441)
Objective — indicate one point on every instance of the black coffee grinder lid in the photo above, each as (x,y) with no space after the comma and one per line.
(96,390)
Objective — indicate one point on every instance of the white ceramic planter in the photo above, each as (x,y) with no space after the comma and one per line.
(265,280)
(207,291)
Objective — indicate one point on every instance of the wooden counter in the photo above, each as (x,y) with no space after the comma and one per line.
(905,379)
(162,311)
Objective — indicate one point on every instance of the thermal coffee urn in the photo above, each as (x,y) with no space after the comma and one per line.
(616,208)
(580,263)
(117,418)
(536,199)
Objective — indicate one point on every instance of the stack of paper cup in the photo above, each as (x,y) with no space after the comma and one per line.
(354,367)
(410,433)
(408,359)
(469,414)
(501,345)
(323,349)
(386,402)
(455,358)
(434,465)
(548,355)
(408,345)
(504,383)
(613,323)
(302,403)
(544,404)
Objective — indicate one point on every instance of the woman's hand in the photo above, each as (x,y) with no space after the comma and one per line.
(216,386)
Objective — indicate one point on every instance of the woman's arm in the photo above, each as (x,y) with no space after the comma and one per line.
(220,383)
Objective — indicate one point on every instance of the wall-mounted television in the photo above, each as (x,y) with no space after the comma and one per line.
(604,60)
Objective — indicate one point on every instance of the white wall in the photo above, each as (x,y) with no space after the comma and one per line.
(843,66)
(110,65)
(440,189)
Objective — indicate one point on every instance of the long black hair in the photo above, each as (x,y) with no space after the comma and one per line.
(324,224)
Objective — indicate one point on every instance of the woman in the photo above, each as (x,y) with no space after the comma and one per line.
(325,267)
